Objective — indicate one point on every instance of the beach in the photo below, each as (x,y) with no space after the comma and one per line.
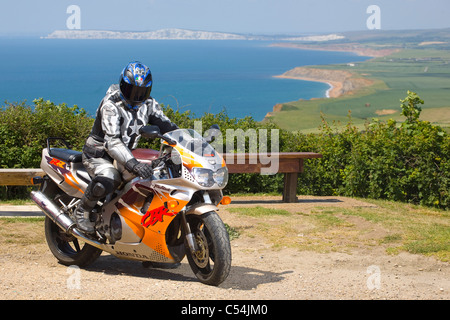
(332,92)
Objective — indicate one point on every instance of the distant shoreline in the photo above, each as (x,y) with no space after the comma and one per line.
(351,47)
(334,78)
(341,82)
(181,34)
(333,92)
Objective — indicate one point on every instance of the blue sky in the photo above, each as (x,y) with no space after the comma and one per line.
(20,17)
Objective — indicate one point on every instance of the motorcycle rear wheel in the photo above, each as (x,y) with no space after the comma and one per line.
(212,262)
(68,249)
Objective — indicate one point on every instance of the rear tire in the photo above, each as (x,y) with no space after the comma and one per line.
(212,263)
(68,249)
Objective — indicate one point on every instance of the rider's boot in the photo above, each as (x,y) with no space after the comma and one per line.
(93,193)
(82,217)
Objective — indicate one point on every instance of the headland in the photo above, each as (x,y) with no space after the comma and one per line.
(341,82)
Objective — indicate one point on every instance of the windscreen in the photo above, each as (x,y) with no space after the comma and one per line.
(192,141)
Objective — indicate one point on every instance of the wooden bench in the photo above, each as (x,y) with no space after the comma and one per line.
(289,163)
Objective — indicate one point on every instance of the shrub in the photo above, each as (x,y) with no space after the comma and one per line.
(24,130)
(406,161)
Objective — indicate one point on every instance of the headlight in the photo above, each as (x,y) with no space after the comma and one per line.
(203,176)
(207,178)
(221,177)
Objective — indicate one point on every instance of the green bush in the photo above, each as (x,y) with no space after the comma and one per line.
(24,130)
(407,161)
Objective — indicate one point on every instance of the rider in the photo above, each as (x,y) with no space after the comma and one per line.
(122,112)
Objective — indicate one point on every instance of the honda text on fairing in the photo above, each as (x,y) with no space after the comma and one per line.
(161,219)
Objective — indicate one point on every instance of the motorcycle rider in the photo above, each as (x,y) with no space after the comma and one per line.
(126,107)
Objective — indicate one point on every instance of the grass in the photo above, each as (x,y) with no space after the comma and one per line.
(425,72)
(21,231)
(233,233)
(16,202)
(258,211)
(394,226)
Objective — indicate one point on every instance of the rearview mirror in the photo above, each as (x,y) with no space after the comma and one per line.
(150,132)
(213,132)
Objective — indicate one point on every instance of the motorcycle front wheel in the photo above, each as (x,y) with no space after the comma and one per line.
(211,263)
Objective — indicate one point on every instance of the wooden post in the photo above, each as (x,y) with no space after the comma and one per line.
(290,187)
(290,184)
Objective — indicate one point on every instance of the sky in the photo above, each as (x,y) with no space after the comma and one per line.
(31,17)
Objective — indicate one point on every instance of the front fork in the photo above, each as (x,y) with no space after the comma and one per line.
(189,235)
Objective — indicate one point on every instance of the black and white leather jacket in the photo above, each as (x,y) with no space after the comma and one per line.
(116,127)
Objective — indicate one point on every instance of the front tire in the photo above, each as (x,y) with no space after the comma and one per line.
(212,262)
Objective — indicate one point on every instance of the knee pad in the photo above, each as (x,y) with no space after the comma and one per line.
(103,184)
(99,190)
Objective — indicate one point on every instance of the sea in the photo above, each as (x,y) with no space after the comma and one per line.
(204,76)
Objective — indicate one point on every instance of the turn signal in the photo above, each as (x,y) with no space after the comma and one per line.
(171,204)
(225,201)
(37,180)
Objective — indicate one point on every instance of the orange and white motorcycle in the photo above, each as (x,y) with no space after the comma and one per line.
(162,219)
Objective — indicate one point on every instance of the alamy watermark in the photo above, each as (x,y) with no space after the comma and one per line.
(373,22)
(73,282)
(374,280)
(73,22)
(262,144)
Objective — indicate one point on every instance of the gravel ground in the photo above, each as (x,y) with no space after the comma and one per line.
(259,271)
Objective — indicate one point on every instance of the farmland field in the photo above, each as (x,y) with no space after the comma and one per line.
(424,71)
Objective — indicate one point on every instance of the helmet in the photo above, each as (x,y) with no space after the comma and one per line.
(135,83)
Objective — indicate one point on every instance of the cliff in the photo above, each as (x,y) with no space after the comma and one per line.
(179,34)
(163,34)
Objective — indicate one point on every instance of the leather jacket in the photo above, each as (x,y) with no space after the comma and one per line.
(116,127)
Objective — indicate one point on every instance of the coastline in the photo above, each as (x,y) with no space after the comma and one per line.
(351,47)
(327,93)
(334,91)
(341,82)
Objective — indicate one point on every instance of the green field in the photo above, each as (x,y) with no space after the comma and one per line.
(425,71)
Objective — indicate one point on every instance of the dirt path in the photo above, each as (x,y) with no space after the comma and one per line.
(259,270)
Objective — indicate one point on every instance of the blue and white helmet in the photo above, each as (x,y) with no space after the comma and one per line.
(135,83)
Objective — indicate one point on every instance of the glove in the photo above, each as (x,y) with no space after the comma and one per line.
(140,169)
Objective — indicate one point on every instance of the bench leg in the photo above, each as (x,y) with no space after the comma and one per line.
(290,187)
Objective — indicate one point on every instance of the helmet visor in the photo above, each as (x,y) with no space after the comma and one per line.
(135,94)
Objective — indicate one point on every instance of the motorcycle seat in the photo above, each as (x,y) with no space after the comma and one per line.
(146,155)
(66,155)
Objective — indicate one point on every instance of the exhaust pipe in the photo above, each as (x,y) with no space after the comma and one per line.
(61,219)
(52,211)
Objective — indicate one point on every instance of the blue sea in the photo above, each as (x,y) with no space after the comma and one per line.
(201,76)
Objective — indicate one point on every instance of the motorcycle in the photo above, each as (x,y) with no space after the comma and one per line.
(162,219)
